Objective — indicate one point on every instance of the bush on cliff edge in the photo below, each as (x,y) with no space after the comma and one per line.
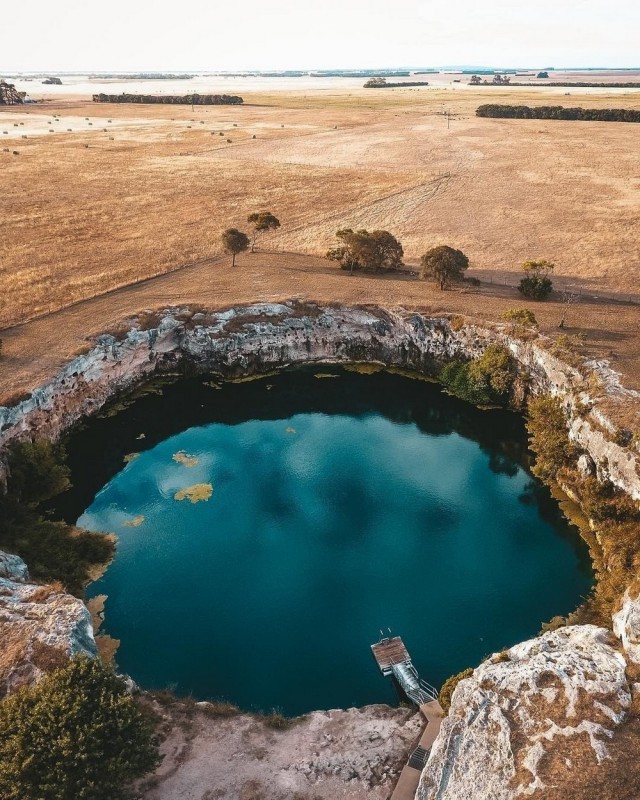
(77,734)
(486,380)
(53,551)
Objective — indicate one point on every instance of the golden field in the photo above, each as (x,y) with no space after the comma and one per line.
(119,193)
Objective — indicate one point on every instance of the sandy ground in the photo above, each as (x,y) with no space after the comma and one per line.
(105,203)
(326,755)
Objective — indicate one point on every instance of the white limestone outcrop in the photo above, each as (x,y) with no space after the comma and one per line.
(564,690)
(39,627)
(626,625)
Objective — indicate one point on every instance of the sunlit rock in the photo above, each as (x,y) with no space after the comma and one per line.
(524,709)
(626,625)
(41,627)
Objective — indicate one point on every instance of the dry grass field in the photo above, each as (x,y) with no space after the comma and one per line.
(109,202)
(118,193)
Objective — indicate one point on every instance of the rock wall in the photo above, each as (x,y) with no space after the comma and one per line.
(259,337)
(40,627)
(548,700)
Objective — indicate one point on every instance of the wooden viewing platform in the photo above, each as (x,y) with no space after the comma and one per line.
(392,658)
(388,652)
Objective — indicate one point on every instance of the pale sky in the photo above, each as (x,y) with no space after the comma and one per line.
(203,35)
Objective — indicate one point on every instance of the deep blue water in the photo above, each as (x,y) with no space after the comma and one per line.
(339,507)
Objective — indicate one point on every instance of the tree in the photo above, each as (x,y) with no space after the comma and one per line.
(444,264)
(536,285)
(543,74)
(548,437)
(364,250)
(262,221)
(234,242)
(494,372)
(487,379)
(475,80)
(520,318)
(77,734)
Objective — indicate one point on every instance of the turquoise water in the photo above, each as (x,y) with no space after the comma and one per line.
(338,507)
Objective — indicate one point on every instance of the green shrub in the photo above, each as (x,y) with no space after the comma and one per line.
(77,734)
(277,721)
(494,372)
(603,501)
(37,471)
(53,551)
(520,317)
(485,380)
(535,287)
(449,686)
(548,437)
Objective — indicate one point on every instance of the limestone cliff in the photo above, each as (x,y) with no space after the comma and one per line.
(258,337)
(550,699)
(626,625)
(41,627)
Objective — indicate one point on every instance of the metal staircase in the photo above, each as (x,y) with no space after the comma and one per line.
(417,690)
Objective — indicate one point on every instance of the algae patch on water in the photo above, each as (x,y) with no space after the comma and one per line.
(195,493)
(182,457)
(135,522)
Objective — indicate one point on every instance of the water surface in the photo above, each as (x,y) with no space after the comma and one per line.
(337,507)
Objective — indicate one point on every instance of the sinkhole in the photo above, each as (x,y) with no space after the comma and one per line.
(269,529)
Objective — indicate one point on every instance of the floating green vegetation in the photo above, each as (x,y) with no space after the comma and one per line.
(182,457)
(364,368)
(135,522)
(195,493)
(256,377)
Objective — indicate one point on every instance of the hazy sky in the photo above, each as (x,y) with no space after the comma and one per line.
(281,34)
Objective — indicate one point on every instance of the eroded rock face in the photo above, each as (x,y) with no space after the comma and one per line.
(40,629)
(545,699)
(258,337)
(626,625)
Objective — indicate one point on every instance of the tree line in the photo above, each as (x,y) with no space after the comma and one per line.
(577,84)
(382,83)
(172,99)
(504,111)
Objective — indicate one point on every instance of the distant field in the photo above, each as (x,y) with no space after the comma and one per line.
(134,191)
